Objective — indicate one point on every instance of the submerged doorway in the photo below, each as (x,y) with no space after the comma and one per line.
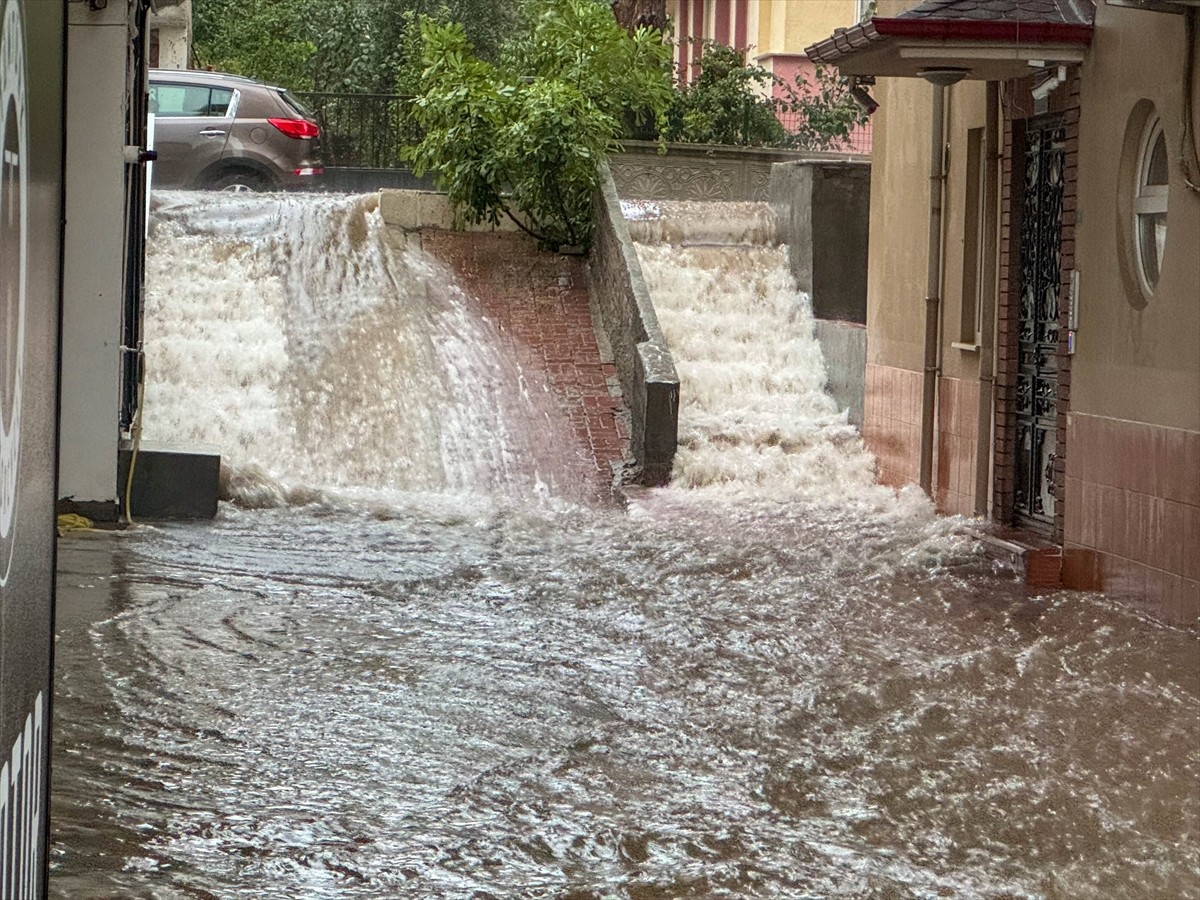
(1036,400)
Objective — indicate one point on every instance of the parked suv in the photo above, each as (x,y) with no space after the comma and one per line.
(225,132)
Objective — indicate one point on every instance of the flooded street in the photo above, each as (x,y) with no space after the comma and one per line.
(470,700)
(396,670)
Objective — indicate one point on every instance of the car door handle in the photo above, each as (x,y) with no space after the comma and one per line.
(212,132)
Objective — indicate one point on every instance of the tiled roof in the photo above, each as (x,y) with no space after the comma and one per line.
(1066,12)
(1023,22)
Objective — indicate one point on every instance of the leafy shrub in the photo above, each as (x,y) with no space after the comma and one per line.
(522,138)
(725,104)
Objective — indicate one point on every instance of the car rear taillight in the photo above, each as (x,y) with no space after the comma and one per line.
(308,170)
(296,128)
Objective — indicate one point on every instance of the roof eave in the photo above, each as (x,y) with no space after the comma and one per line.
(988,49)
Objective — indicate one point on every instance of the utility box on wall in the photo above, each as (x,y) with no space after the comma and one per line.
(31,185)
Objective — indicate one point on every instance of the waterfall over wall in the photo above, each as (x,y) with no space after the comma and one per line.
(287,332)
(755,414)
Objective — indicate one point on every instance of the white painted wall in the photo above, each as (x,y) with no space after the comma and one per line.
(94,254)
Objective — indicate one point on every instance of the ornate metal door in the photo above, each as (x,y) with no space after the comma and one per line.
(1037,338)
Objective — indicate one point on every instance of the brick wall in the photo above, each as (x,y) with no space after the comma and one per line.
(539,301)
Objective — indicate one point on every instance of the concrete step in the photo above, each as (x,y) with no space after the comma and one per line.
(171,483)
(1035,560)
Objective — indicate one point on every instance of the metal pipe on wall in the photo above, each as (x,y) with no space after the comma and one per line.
(990,283)
(933,281)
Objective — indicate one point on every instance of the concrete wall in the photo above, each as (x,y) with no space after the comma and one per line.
(822,210)
(94,270)
(823,215)
(1136,358)
(173,24)
(1133,468)
(644,364)
(348,180)
(411,210)
(699,171)
(844,347)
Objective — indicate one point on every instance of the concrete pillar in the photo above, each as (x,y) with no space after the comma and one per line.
(94,256)
(173,23)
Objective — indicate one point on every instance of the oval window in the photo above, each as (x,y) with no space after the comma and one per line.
(1150,205)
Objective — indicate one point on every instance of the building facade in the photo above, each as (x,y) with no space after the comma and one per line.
(170,44)
(1034,277)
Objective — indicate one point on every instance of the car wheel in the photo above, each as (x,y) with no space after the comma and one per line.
(238,182)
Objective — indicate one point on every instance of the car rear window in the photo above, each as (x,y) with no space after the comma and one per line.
(296,106)
(176,100)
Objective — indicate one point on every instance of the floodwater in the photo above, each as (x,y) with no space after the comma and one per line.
(454,678)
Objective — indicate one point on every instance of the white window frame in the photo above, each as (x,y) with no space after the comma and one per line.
(1148,200)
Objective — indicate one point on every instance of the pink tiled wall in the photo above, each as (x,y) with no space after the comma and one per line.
(1132,526)
(958,416)
(892,423)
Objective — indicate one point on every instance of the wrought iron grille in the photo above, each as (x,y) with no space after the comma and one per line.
(1037,337)
(363,130)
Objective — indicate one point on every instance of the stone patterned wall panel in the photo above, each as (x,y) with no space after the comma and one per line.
(699,171)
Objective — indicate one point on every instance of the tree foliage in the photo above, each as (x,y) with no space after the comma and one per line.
(522,138)
(635,14)
(829,112)
(729,102)
(734,102)
(267,39)
(336,45)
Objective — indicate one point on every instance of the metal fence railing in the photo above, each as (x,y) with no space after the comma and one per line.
(363,130)
(369,130)
(858,141)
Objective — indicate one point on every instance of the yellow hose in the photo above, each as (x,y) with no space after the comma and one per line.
(136,431)
(72,522)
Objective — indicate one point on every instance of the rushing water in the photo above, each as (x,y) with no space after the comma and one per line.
(773,679)
(294,337)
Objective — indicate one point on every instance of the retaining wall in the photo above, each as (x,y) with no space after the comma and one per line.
(701,171)
(644,364)
(822,210)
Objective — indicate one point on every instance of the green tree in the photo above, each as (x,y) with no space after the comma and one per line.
(729,102)
(732,102)
(522,138)
(829,112)
(335,45)
(271,40)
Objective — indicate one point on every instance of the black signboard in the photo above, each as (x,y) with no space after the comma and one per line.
(31,168)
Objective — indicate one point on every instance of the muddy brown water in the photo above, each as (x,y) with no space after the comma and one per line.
(422,674)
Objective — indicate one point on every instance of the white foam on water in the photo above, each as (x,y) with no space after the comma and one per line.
(286,331)
(756,422)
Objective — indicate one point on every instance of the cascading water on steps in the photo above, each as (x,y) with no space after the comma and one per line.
(754,412)
(286,331)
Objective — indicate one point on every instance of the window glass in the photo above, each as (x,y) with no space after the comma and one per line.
(218,103)
(1150,205)
(176,100)
(292,101)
